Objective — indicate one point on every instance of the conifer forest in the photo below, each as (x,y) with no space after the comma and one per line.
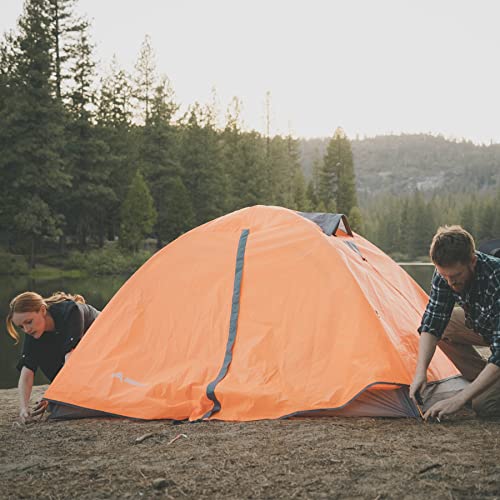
(91,158)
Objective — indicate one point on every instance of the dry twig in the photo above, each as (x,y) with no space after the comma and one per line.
(140,439)
(176,438)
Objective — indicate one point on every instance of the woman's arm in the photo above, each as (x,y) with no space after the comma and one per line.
(25,386)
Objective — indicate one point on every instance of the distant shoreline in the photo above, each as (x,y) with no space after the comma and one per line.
(415,263)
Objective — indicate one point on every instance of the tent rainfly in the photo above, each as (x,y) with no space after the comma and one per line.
(263,313)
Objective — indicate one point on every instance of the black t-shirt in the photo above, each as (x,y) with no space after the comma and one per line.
(72,320)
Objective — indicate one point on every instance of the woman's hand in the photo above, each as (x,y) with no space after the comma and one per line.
(25,416)
(25,385)
(39,408)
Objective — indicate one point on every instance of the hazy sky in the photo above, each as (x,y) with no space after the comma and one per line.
(370,66)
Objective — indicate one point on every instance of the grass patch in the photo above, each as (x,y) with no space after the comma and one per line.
(51,273)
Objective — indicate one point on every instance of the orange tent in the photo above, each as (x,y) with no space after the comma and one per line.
(262,313)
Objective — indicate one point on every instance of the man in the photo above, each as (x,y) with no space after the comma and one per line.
(472,280)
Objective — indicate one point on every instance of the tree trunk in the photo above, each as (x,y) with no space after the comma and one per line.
(32,253)
(101,232)
(62,243)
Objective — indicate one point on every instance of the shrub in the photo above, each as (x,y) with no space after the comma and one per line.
(13,264)
(108,260)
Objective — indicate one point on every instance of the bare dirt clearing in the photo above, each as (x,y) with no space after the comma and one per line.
(308,458)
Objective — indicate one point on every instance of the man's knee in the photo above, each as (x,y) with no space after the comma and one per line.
(486,408)
(487,404)
(456,326)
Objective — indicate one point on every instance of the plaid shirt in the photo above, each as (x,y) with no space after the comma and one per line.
(481,304)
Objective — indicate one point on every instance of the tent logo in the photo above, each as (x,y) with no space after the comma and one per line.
(119,376)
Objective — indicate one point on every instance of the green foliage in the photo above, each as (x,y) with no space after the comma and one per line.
(72,149)
(300,199)
(145,80)
(36,220)
(406,224)
(355,220)
(108,260)
(336,176)
(200,159)
(114,128)
(138,214)
(32,165)
(402,163)
(175,212)
(243,160)
(91,198)
(13,264)
(159,157)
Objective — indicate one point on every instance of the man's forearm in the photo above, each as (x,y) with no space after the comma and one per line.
(426,349)
(488,376)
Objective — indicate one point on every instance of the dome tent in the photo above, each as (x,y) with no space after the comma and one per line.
(491,246)
(262,313)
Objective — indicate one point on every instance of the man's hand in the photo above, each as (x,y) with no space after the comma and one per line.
(445,407)
(418,386)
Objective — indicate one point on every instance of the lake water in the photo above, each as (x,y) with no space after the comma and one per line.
(97,291)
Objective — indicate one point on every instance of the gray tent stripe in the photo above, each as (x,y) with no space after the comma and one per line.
(233,324)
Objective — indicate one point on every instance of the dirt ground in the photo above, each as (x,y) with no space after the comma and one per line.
(306,458)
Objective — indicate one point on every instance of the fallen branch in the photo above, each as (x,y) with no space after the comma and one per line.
(430,467)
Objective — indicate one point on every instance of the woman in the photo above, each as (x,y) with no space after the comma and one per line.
(53,328)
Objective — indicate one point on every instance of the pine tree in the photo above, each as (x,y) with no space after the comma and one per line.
(356,220)
(160,160)
(145,80)
(138,214)
(31,130)
(496,211)
(301,200)
(8,193)
(337,180)
(114,125)
(280,172)
(92,196)
(230,154)
(36,220)
(405,228)
(200,160)
(467,218)
(66,27)
(250,179)
(312,198)
(422,226)
(486,221)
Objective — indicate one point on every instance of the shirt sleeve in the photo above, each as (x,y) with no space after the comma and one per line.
(28,357)
(73,329)
(495,338)
(439,308)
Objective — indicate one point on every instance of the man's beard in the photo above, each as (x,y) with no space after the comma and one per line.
(465,286)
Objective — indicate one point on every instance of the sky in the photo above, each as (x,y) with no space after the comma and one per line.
(370,66)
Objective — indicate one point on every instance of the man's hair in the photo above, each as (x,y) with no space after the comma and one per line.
(452,245)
